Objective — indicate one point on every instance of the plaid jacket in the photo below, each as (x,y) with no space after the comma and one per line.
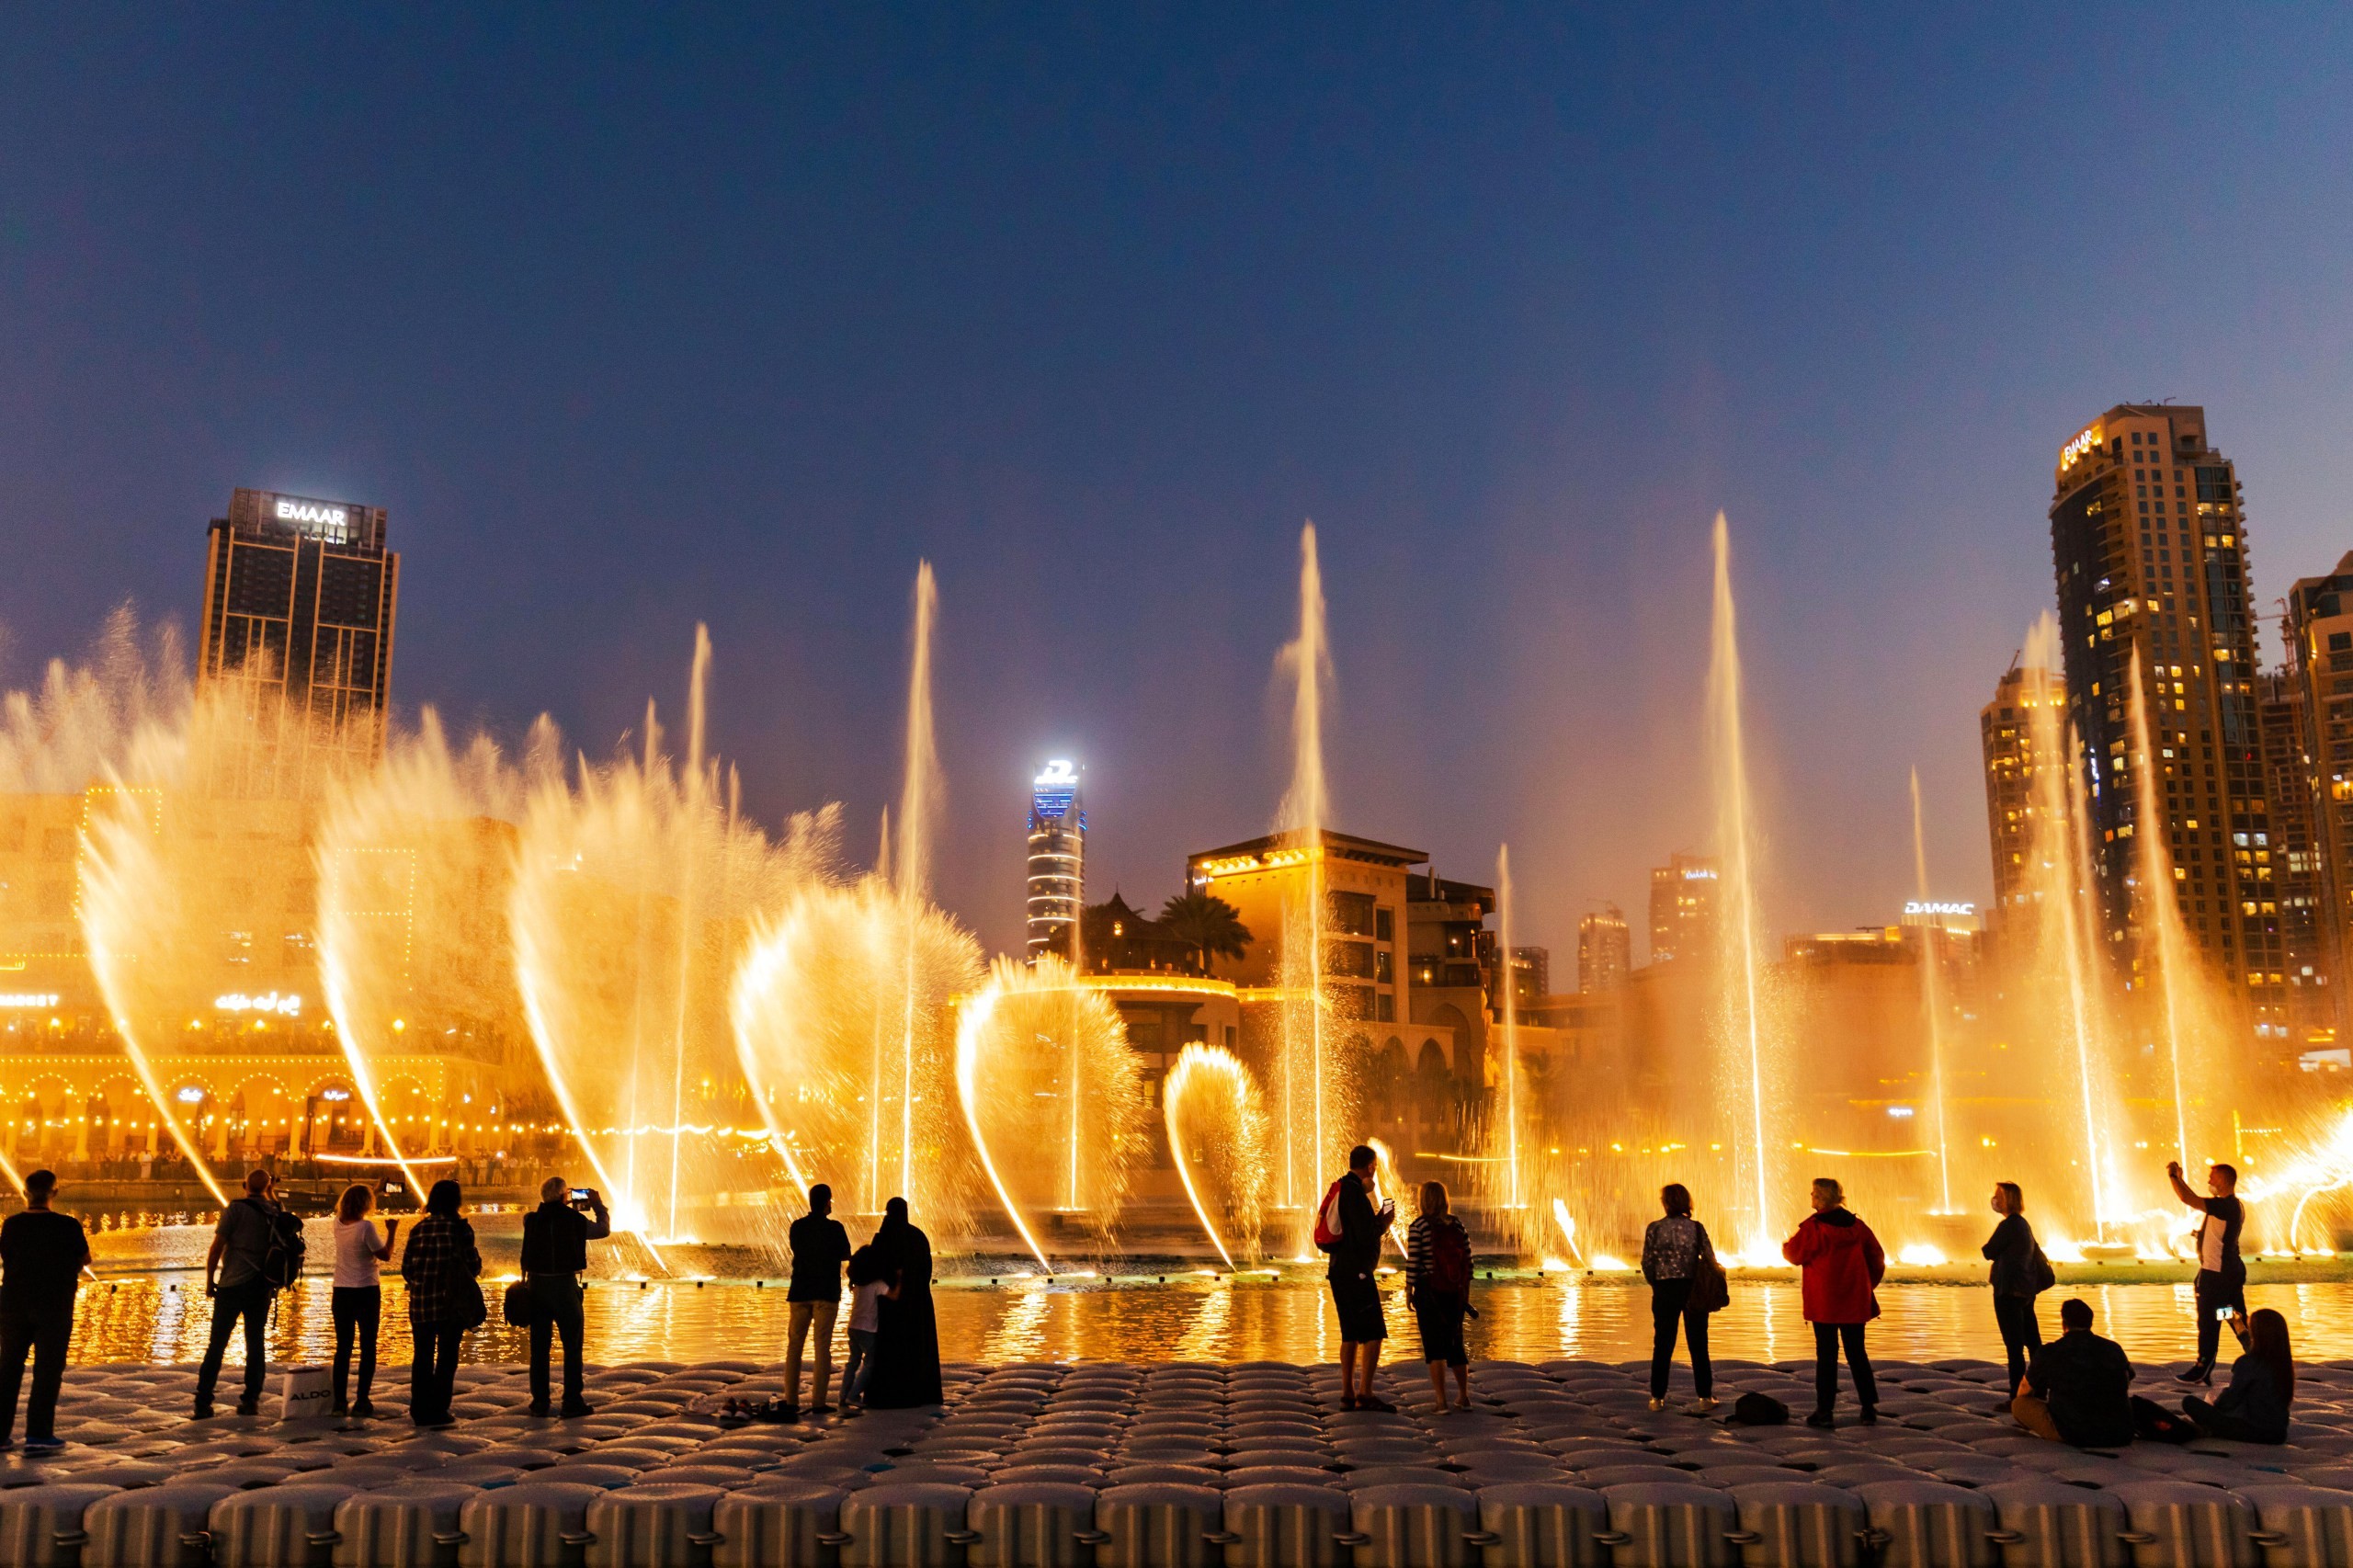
(437,1262)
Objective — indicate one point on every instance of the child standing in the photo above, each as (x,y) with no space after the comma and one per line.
(869,1285)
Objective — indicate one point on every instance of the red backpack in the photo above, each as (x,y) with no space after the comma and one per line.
(1328,1216)
(1449,1259)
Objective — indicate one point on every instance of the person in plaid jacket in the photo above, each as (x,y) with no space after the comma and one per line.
(440,1265)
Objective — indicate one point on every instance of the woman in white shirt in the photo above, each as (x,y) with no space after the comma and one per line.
(359,1300)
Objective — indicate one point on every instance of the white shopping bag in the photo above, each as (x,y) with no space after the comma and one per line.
(304,1393)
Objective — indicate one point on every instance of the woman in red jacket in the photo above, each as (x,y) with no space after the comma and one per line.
(1842,1266)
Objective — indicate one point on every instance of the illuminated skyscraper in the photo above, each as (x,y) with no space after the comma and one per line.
(2006,731)
(1057,858)
(2148,544)
(300,597)
(1605,950)
(1683,909)
(2320,633)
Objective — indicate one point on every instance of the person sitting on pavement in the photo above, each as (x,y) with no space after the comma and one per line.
(2254,1409)
(2078,1388)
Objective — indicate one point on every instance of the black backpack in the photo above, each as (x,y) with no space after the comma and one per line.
(281,1261)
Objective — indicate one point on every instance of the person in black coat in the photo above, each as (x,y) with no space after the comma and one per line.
(556,1254)
(1356,1294)
(906,1335)
(2017,1280)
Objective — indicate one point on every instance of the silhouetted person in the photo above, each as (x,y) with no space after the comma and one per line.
(1437,1290)
(1676,1249)
(42,1254)
(358,1304)
(237,1288)
(555,1255)
(1357,1228)
(1842,1267)
(870,1287)
(2254,1409)
(440,1264)
(820,1247)
(2078,1389)
(906,1335)
(2018,1275)
(2220,1286)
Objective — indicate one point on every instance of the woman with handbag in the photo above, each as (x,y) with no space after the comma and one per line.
(1686,1284)
(442,1268)
(2019,1274)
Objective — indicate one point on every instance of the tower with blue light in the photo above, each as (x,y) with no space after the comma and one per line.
(1057,858)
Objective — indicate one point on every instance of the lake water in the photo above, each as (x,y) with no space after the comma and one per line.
(148,1306)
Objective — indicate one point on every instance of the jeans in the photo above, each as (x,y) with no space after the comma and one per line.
(557,1297)
(804,1316)
(358,1309)
(2215,1290)
(1827,1337)
(46,1335)
(2224,1424)
(433,1380)
(249,1301)
(1671,1308)
(2021,1334)
(861,1361)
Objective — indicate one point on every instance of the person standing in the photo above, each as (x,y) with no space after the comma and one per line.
(1842,1263)
(2019,1274)
(2220,1286)
(238,1289)
(357,1303)
(1675,1253)
(556,1254)
(870,1287)
(905,1371)
(1356,1227)
(1437,1290)
(820,1247)
(2078,1389)
(42,1254)
(440,1264)
(2254,1409)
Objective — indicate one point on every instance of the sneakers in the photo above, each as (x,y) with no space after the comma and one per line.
(2199,1372)
(1868,1415)
(542,1412)
(1658,1402)
(1699,1407)
(1373,1401)
(573,1412)
(249,1407)
(203,1411)
(1821,1418)
(339,1408)
(43,1445)
(365,1408)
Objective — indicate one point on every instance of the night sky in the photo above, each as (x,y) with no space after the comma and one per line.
(635,317)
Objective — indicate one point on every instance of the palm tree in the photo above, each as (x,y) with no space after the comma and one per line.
(1207,923)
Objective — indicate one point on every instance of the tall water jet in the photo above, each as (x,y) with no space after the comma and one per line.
(1515,1196)
(822,981)
(1755,1074)
(1218,1139)
(694,806)
(2166,960)
(919,796)
(1018,1042)
(1932,999)
(1304,1078)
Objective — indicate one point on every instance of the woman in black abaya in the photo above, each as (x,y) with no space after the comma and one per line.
(906,1335)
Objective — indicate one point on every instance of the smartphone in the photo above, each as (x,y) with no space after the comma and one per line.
(576,1195)
(2224,1314)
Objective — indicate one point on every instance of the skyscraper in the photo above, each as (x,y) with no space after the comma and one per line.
(1605,950)
(1683,909)
(2320,633)
(2006,731)
(2149,546)
(300,597)
(1057,858)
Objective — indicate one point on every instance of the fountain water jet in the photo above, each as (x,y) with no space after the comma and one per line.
(1308,1094)
(1216,1118)
(1931,965)
(1514,1195)
(919,793)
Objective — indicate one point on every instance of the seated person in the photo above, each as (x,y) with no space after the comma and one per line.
(2254,1409)
(2077,1388)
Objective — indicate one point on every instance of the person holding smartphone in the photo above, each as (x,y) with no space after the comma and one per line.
(1356,1295)
(556,1254)
(2221,1286)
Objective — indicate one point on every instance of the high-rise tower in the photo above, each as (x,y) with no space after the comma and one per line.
(300,597)
(2320,633)
(2148,544)
(1605,950)
(1683,909)
(2005,730)
(1057,858)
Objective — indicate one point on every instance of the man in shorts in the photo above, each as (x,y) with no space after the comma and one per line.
(1354,1290)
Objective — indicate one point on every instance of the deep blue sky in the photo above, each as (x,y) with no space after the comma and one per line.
(635,317)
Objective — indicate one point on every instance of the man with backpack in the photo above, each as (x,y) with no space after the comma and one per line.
(253,1256)
(1350,1228)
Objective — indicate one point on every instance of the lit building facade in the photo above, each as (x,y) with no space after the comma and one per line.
(2320,632)
(2005,735)
(1057,858)
(2149,546)
(300,596)
(1684,910)
(1605,950)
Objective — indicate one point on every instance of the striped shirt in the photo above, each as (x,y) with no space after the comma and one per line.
(1420,1241)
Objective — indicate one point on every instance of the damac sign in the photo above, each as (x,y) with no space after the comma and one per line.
(313,512)
(1935,906)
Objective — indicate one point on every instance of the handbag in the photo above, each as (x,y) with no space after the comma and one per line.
(1710,1288)
(520,1308)
(472,1310)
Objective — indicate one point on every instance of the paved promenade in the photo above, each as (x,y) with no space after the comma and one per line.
(1171,1466)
